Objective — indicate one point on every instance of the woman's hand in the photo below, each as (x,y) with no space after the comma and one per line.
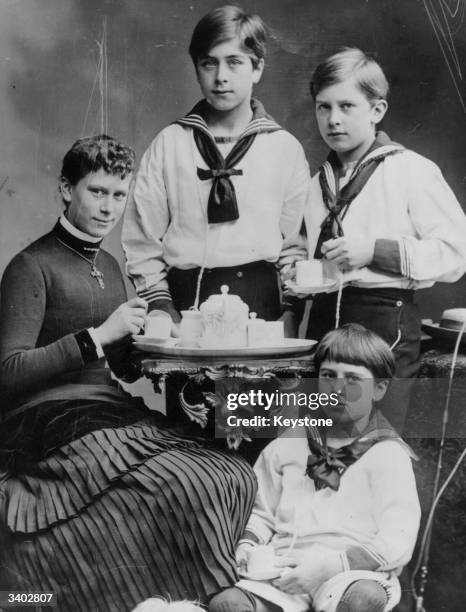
(127,319)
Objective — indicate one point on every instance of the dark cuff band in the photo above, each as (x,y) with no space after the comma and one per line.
(387,256)
(86,346)
(166,306)
(361,559)
(250,536)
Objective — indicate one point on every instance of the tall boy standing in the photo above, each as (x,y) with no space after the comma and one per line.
(220,192)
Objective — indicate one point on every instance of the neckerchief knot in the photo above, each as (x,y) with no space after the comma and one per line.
(222,205)
(217,173)
(326,465)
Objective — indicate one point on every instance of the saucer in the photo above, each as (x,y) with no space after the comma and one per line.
(266,574)
(311,289)
(152,341)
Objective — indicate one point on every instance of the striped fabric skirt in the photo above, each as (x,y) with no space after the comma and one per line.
(123,514)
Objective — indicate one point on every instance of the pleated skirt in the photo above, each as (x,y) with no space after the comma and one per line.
(124,514)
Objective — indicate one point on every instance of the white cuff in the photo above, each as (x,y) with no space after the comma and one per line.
(95,340)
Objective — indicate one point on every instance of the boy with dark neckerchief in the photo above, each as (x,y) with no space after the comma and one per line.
(339,506)
(219,193)
(380,214)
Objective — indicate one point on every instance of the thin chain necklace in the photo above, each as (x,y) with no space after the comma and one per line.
(95,272)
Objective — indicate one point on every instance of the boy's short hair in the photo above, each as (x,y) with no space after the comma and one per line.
(94,153)
(225,23)
(352,343)
(349,63)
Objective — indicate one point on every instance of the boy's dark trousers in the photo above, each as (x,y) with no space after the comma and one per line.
(393,315)
(256,283)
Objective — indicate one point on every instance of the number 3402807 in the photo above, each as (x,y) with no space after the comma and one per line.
(10,599)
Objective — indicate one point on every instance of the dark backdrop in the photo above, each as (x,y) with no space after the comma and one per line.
(49,57)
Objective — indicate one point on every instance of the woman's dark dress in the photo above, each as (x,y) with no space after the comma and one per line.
(101,503)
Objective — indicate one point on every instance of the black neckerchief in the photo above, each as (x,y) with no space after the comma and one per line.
(325,465)
(222,205)
(338,201)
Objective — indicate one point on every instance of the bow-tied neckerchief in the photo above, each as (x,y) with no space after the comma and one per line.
(325,465)
(222,205)
(337,201)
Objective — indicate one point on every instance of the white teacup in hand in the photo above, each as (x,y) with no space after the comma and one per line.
(261,560)
(158,325)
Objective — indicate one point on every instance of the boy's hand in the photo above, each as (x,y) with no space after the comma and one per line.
(292,293)
(349,253)
(242,555)
(290,326)
(308,571)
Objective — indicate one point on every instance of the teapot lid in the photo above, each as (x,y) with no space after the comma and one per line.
(223,299)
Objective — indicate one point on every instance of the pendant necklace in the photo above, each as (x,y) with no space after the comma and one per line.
(95,272)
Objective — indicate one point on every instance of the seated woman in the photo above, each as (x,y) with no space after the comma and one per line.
(99,501)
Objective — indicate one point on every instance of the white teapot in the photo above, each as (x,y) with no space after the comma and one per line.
(225,320)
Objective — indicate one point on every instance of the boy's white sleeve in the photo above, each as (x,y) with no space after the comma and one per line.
(438,252)
(262,520)
(145,222)
(292,217)
(396,506)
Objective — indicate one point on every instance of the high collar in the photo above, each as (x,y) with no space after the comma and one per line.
(70,236)
(74,231)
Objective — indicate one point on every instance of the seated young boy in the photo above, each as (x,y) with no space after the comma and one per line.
(380,213)
(339,507)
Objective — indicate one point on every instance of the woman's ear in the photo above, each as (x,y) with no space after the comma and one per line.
(65,188)
(379,109)
(380,388)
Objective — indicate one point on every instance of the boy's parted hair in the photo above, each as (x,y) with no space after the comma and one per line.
(352,343)
(94,153)
(225,23)
(348,63)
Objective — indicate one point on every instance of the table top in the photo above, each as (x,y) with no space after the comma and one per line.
(162,365)
(435,361)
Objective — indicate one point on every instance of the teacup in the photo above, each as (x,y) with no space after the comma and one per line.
(260,559)
(190,328)
(158,325)
(309,273)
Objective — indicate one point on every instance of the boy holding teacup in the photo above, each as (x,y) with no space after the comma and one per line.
(339,507)
(379,213)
